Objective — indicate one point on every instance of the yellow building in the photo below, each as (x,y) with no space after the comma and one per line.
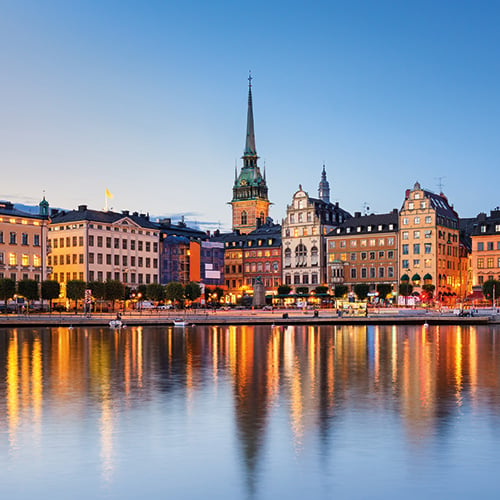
(429,243)
(91,245)
(23,243)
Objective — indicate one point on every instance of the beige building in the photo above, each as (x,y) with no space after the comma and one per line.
(23,243)
(91,245)
(429,243)
(303,236)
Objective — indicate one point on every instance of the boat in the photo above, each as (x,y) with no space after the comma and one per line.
(180,322)
(116,324)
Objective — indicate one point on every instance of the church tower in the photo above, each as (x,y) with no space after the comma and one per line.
(250,203)
(324,188)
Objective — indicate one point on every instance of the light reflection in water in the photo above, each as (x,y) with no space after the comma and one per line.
(291,390)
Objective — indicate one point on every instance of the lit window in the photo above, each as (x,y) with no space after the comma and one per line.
(25,259)
(36,260)
(12,259)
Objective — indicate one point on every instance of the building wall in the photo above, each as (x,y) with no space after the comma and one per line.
(485,257)
(97,251)
(429,241)
(23,246)
(370,257)
(254,209)
(303,243)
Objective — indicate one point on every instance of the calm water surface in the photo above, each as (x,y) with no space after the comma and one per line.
(250,413)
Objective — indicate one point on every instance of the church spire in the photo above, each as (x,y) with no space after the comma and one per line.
(324,187)
(250,149)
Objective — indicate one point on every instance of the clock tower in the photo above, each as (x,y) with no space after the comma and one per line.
(250,203)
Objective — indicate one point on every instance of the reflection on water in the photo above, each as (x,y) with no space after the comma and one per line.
(250,412)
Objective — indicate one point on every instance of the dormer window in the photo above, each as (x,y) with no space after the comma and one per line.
(417,196)
(369,228)
(358,229)
(483,229)
(338,230)
(380,227)
(391,227)
(348,230)
(410,205)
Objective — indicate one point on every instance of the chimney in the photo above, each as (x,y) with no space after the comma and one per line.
(407,194)
(125,212)
(82,208)
(357,215)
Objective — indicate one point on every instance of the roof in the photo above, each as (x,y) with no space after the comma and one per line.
(264,233)
(373,223)
(83,213)
(7,208)
(486,225)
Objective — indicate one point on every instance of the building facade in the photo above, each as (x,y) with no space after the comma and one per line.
(485,257)
(250,203)
(429,243)
(91,245)
(308,220)
(364,249)
(23,243)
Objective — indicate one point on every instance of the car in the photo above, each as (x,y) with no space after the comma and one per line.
(267,308)
(164,307)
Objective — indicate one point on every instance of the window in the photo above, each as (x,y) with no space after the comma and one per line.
(427,247)
(483,229)
(1,236)
(300,255)
(480,246)
(99,241)
(405,249)
(428,219)
(36,240)
(489,262)
(363,272)
(372,255)
(12,239)
(91,241)
(405,235)
(372,272)
(381,254)
(363,255)
(390,272)
(416,248)
(381,272)
(117,260)
(405,220)
(305,279)
(353,256)
(489,245)
(390,254)
(405,263)
(428,233)
(314,279)
(243,218)
(296,279)
(25,260)
(314,256)
(416,235)
(24,239)
(91,258)
(288,257)
(410,205)
(416,220)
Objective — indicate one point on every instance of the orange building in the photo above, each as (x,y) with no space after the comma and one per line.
(485,257)
(23,239)
(429,244)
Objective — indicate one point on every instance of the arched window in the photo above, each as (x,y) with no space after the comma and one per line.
(288,257)
(300,255)
(314,256)
(243,218)
(262,218)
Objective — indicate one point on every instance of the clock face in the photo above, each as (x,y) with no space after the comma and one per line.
(243,182)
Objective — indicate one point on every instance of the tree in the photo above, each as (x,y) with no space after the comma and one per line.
(7,290)
(175,292)
(340,291)
(284,289)
(98,289)
(361,290)
(155,292)
(29,290)
(491,289)
(383,290)
(114,290)
(50,290)
(302,290)
(75,290)
(428,292)
(321,290)
(192,291)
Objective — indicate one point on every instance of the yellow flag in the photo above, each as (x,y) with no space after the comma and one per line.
(108,194)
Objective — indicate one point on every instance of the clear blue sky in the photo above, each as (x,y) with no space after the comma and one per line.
(148,99)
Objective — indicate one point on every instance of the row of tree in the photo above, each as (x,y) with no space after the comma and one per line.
(29,289)
(360,289)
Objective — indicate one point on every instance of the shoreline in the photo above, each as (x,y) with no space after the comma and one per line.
(277,317)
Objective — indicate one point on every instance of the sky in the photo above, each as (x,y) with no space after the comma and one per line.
(149,98)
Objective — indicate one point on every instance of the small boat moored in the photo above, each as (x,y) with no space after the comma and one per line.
(180,322)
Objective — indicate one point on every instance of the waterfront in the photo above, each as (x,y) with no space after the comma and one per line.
(258,412)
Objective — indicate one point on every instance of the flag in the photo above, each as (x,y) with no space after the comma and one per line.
(108,194)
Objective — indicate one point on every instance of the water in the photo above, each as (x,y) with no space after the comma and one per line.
(250,412)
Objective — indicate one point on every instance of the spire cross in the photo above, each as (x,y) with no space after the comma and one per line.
(250,78)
